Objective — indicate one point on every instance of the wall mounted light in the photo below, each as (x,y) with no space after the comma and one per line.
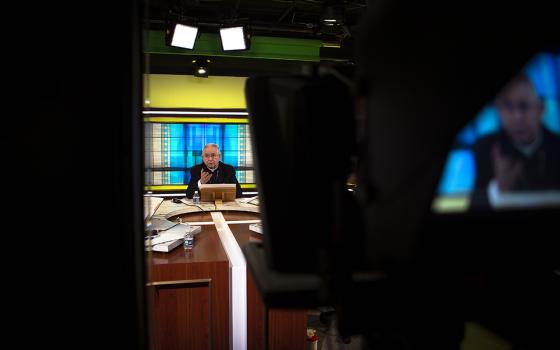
(234,38)
(182,35)
(333,14)
(200,66)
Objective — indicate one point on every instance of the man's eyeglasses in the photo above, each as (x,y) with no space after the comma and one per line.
(521,106)
(210,155)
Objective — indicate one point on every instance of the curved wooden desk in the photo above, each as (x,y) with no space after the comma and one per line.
(190,290)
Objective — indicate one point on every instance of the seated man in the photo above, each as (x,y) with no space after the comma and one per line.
(524,155)
(212,171)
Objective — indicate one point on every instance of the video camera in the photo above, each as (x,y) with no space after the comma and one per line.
(394,269)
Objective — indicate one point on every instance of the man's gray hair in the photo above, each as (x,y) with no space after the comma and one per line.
(211,145)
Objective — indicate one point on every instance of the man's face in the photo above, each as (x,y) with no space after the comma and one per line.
(211,157)
(520,111)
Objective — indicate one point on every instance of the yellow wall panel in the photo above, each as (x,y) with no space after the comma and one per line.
(187,91)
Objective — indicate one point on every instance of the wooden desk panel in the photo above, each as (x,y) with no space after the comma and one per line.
(278,328)
(182,317)
(190,295)
(206,216)
(256,317)
(208,248)
(287,329)
(177,307)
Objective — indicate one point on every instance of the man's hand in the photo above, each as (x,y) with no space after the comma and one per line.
(507,170)
(204,176)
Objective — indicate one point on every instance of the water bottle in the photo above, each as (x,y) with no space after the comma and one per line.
(196,198)
(149,231)
(188,243)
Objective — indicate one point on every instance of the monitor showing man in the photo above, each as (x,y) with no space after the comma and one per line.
(212,171)
(522,157)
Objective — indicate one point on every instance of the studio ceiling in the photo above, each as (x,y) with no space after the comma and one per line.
(286,18)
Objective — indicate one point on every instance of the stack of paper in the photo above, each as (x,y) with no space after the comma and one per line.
(169,239)
(256,228)
(165,246)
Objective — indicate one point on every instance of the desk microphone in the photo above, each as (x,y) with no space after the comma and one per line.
(214,178)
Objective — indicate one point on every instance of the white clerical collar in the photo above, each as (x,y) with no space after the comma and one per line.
(529,149)
(216,168)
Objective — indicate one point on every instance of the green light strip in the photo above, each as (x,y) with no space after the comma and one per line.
(208,44)
(451,204)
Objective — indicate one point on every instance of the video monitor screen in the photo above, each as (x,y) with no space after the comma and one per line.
(300,139)
(508,156)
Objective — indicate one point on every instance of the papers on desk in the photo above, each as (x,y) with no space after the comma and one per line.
(169,209)
(165,247)
(169,239)
(161,223)
(251,200)
(151,204)
(257,227)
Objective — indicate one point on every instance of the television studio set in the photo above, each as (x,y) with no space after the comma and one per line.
(285,174)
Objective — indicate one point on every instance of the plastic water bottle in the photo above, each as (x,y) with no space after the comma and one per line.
(196,198)
(149,229)
(188,243)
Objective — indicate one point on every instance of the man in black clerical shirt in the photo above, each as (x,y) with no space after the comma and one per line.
(523,155)
(212,171)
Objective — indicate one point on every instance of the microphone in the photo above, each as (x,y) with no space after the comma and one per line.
(214,178)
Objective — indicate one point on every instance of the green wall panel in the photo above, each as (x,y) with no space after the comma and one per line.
(208,44)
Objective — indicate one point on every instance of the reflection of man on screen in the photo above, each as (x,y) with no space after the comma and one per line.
(524,155)
(212,171)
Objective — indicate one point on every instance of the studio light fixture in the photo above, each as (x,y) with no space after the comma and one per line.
(182,35)
(200,66)
(333,15)
(234,38)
